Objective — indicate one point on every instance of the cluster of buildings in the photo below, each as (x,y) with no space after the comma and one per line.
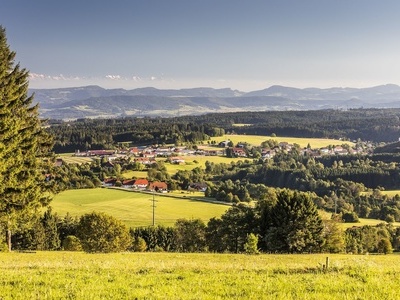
(140,184)
(176,155)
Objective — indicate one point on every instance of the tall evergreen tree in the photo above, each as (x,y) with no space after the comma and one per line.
(293,225)
(23,145)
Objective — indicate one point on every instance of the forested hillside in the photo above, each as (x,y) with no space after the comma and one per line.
(376,125)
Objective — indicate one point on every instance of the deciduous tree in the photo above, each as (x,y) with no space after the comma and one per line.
(99,232)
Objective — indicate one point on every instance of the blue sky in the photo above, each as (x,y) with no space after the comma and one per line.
(244,45)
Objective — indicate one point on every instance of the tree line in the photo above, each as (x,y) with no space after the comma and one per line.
(377,125)
(288,223)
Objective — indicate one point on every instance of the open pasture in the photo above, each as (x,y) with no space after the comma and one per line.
(391,193)
(256,140)
(134,208)
(69,158)
(199,161)
(68,275)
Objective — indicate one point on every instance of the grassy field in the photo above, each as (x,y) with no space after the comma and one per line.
(67,275)
(256,140)
(372,222)
(391,193)
(134,209)
(70,159)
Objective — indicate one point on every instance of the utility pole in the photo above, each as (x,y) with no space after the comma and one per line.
(336,197)
(154,206)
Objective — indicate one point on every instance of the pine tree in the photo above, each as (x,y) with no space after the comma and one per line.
(23,146)
(293,225)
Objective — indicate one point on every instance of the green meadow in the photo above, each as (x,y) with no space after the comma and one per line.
(68,275)
(135,208)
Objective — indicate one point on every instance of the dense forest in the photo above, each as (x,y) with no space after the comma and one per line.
(376,125)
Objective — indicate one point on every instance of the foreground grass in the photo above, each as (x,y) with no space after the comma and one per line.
(67,275)
(132,208)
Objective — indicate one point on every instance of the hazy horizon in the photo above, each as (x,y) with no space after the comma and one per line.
(176,44)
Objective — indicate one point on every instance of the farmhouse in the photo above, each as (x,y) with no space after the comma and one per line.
(176,160)
(109,181)
(213,152)
(140,184)
(100,152)
(158,186)
(198,186)
(145,160)
(239,152)
(128,184)
(267,153)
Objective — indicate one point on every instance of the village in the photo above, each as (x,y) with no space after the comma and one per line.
(149,155)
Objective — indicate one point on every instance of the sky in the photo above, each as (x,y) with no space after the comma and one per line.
(173,44)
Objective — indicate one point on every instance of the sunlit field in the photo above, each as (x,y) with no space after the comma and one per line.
(391,193)
(256,140)
(68,275)
(133,208)
(69,158)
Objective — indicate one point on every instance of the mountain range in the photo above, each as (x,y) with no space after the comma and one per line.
(97,102)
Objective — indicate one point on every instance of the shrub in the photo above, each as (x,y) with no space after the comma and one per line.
(350,217)
(139,245)
(250,247)
(385,246)
(72,243)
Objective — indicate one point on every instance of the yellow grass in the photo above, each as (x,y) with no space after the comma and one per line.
(256,140)
(69,158)
(372,222)
(183,276)
(391,193)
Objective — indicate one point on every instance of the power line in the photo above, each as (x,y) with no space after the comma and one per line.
(154,208)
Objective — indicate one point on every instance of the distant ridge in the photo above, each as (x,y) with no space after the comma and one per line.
(94,101)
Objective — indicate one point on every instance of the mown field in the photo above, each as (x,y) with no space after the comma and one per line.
(68,275)
(133,208)
(256,140)
(391,193)
(69,158)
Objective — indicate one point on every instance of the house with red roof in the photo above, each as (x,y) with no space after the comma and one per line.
(158,186)
(140,183)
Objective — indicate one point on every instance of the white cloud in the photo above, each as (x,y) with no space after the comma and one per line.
(60,77)
(114,77)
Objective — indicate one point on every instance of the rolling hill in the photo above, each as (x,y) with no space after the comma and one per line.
(95,102)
